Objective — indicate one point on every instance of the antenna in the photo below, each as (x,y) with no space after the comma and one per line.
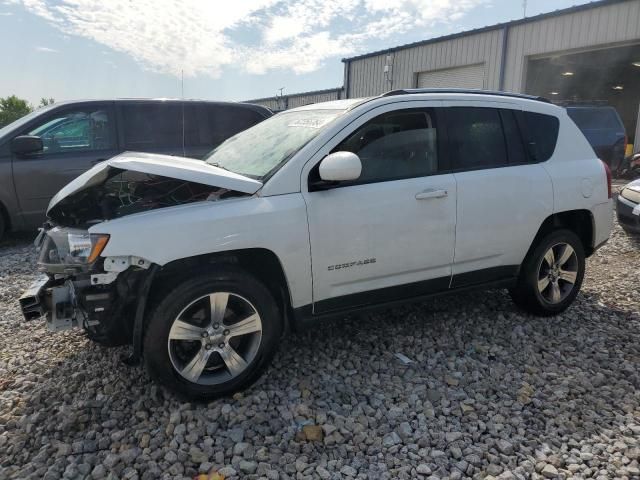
(281,98)
(184,150)
(524,8)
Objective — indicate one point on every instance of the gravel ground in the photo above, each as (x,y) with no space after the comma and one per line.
(491,392)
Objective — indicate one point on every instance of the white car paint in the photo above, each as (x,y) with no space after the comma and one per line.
(411,239)
(486,218)
(499,210)
(278,224)
(340,166)
(181,168)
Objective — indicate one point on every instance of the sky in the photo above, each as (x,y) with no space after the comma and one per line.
(224,50)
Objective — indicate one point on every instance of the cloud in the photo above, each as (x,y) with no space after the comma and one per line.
(205,37)
(46,49)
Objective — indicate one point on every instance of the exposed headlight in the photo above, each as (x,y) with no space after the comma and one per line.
(64,246)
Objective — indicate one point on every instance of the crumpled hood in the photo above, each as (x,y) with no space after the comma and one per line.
(180,168)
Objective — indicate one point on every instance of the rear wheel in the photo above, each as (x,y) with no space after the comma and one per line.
(3,224)
(213,334)
(551,275)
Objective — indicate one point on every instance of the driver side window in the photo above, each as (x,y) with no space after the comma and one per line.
(395,145)
(76,130)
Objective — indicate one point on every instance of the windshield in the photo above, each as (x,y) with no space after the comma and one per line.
(262,149)
(24,120)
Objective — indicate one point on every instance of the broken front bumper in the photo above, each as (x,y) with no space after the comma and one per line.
(32,301)
(59,301)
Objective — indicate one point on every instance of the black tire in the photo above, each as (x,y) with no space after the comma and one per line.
(116,333)
(161,318)
(526,293)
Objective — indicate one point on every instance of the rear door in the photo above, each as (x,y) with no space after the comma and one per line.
(503,197)
(75,138)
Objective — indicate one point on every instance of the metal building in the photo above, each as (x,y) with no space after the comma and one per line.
(284,102)
(587,53)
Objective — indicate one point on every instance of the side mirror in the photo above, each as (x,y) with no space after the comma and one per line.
(25,144)
(340,167)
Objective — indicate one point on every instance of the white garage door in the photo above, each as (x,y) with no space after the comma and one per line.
(471,76)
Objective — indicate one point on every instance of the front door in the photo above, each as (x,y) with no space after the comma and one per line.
(390,234)
(75,139)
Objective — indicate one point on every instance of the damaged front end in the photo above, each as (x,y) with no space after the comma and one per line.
(106,295)
(79,288)
(125,193)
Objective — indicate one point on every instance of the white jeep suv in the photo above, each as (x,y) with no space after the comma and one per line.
(317,211)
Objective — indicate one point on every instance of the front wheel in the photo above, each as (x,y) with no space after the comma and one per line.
(551,275)
(213,334)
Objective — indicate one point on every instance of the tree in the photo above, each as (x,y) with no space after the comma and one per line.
(12,108)
(45,102)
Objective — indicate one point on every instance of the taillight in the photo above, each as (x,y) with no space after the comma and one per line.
(608,172)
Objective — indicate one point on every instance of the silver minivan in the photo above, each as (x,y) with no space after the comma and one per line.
(43,151)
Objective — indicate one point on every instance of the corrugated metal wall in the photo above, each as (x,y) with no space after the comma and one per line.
(271,103)
(598,26)
(472,76)
(299,99)
(311,97)
(601,26)
(367,77)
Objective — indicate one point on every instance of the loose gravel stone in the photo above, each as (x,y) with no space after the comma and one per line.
(491,393)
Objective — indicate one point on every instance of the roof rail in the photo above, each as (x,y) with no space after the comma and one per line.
(409,91)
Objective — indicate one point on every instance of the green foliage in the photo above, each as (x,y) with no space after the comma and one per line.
(12,108)
(45,102)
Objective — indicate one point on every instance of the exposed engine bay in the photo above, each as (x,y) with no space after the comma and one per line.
(92,292)
(127,192)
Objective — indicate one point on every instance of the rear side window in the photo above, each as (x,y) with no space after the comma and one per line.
(395,145)
(476,138)
(226,120)
(595,118)
(149,126)
(540,133)
(197,132)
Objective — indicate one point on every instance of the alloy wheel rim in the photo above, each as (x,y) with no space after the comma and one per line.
(214,338)
(557,273)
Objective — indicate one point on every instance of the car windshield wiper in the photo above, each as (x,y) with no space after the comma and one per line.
(220,166)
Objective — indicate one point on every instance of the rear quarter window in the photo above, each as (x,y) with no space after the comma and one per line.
(540,134)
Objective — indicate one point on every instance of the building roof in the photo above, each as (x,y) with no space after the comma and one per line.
(542,16)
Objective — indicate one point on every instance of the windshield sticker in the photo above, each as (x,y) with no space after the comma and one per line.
(310,122)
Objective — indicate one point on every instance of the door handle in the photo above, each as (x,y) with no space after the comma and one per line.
(431,193)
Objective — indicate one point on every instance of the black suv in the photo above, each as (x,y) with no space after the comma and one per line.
(43,151)
(604,131)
